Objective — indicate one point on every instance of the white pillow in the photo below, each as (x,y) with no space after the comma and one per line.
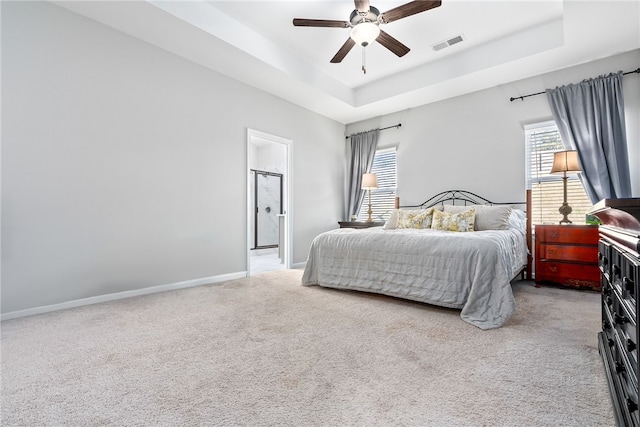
(487,217)
(518,220)
(392,222)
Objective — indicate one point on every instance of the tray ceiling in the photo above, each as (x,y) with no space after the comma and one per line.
(256,43)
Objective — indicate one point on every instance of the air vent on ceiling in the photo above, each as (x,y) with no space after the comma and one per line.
(447,43)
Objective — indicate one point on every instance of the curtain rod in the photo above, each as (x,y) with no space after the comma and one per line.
(388,127)
(540,93)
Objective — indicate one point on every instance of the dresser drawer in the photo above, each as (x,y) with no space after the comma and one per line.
(604,257)
(629,397)
(617,330)
(580,275)
(585,235)
(607,321)
(622,384)
(627,385)
(629,271)
(587,254)
(626,334)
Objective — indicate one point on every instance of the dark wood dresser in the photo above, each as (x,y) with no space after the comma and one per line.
(360,224)
(619,264)
(567,255)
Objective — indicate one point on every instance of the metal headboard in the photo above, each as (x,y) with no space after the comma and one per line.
(458,197)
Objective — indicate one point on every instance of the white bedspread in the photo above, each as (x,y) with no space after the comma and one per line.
(469,271)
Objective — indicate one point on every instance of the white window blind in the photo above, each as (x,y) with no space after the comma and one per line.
(382,198)
(542,140)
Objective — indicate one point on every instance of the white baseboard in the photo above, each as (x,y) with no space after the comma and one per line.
(121,295)
(300,265)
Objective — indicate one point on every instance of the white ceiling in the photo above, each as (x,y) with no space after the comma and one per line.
(256,43)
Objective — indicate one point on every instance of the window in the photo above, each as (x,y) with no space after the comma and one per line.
(382,198)
(542,140)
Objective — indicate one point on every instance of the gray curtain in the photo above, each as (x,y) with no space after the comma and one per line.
(362,151)
(590,118)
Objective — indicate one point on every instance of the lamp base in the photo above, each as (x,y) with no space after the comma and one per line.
(369,219)
(565,210)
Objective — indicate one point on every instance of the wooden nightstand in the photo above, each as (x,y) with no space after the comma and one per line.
(360,224)
(567,255)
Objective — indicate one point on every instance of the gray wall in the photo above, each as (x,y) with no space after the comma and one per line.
(124,166)
(476,142)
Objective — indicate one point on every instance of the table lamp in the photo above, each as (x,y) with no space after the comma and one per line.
(369,182)
(565,161)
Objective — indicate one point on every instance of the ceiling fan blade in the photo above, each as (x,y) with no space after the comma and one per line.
(299,22)
(346,47)
(408,9)
(362,5)
(392,44)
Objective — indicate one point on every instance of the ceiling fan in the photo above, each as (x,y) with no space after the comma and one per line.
(365,23)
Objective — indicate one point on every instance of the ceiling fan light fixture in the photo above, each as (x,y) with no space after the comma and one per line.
(365,33)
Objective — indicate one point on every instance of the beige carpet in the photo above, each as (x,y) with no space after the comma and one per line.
(267,351)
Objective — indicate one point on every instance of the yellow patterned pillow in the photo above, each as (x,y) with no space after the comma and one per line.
(415,218)
(462,221)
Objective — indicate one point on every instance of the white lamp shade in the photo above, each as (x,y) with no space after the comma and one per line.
(365,33)
(369,181)
(565,161)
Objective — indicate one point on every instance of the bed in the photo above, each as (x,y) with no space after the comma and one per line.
(456,250)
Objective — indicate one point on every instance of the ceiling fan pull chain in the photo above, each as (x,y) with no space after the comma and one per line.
(364,61)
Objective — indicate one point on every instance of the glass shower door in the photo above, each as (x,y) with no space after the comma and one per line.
(268,205)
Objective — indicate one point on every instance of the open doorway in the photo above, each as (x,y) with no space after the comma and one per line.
(268,209)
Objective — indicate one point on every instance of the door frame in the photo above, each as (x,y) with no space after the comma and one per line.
(253,137)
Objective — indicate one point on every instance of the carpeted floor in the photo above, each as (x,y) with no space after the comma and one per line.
(267,351)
